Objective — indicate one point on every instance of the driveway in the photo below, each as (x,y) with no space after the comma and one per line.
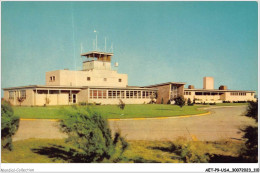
(222,123)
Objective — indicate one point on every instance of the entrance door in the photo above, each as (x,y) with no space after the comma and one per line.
(74,98)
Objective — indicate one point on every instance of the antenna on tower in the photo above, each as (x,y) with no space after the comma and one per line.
(96,39)
(93,44)
(112,47)
(105,44)
(81,48)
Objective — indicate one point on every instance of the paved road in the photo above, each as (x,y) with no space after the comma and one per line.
(222,123)
(38,129)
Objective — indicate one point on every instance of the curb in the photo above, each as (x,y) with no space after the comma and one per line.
(126,119)
(31,119)
(156,118)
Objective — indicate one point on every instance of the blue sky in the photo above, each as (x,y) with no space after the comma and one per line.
(153,42)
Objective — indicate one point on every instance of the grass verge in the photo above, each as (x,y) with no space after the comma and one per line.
(56,151)
(110,111)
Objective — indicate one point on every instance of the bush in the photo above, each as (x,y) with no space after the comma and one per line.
(250,152)
(82,103)
(89,133)
(226,102)
(189,102)
(212,103)
(121,104)
(162,101)
(9,125)
(179,101)
(190,152)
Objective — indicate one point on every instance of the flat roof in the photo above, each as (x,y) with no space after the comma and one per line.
(167,83)
(76,87)
(96,54)
(43,87)
(217,90)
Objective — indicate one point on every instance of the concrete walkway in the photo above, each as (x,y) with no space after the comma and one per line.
(222,123)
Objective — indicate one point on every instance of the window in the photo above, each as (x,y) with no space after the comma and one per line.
(88,78)
(23,94)
(119,80)
(105,79)
(52,78)
(11,94)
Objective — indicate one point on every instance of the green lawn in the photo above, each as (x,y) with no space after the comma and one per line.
(57,151)
(110,111)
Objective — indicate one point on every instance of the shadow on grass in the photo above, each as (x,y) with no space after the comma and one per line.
(216,158)
(213,158)
(58,152)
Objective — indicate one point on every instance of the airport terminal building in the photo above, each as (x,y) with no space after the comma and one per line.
(98,83)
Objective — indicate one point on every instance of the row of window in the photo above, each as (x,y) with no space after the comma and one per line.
(208,93)
(237,94)
(119,94)
(104,79)
(52,78)
(187,93)
(20,94)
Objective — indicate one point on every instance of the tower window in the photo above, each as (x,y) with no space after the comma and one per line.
(88,78)
(119,80)
(52,78)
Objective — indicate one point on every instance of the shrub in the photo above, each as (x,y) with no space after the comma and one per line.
(226,101)
(121,104)
(9,125)
(162,101)
(20,100)
(179,101)
(189,102)
(250,152)
(190,152)
(82,103)
(89,133)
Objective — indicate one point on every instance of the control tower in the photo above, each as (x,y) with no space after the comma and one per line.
(97,61)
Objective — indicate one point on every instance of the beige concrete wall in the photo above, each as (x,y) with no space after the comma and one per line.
(27,102)
(99,65)
(79,78)
(52,73)
(208,83)
(219,98)
(247,97)
(83,95)
(55,99)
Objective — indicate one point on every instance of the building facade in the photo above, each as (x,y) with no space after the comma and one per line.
(95,83)
(98,83)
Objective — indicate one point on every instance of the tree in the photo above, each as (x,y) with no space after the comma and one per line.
(89,133)
(179,101)
(121,105)
(47,101)
(20,100)
(9,125)
(250,152)
(162,101)
(189,102)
